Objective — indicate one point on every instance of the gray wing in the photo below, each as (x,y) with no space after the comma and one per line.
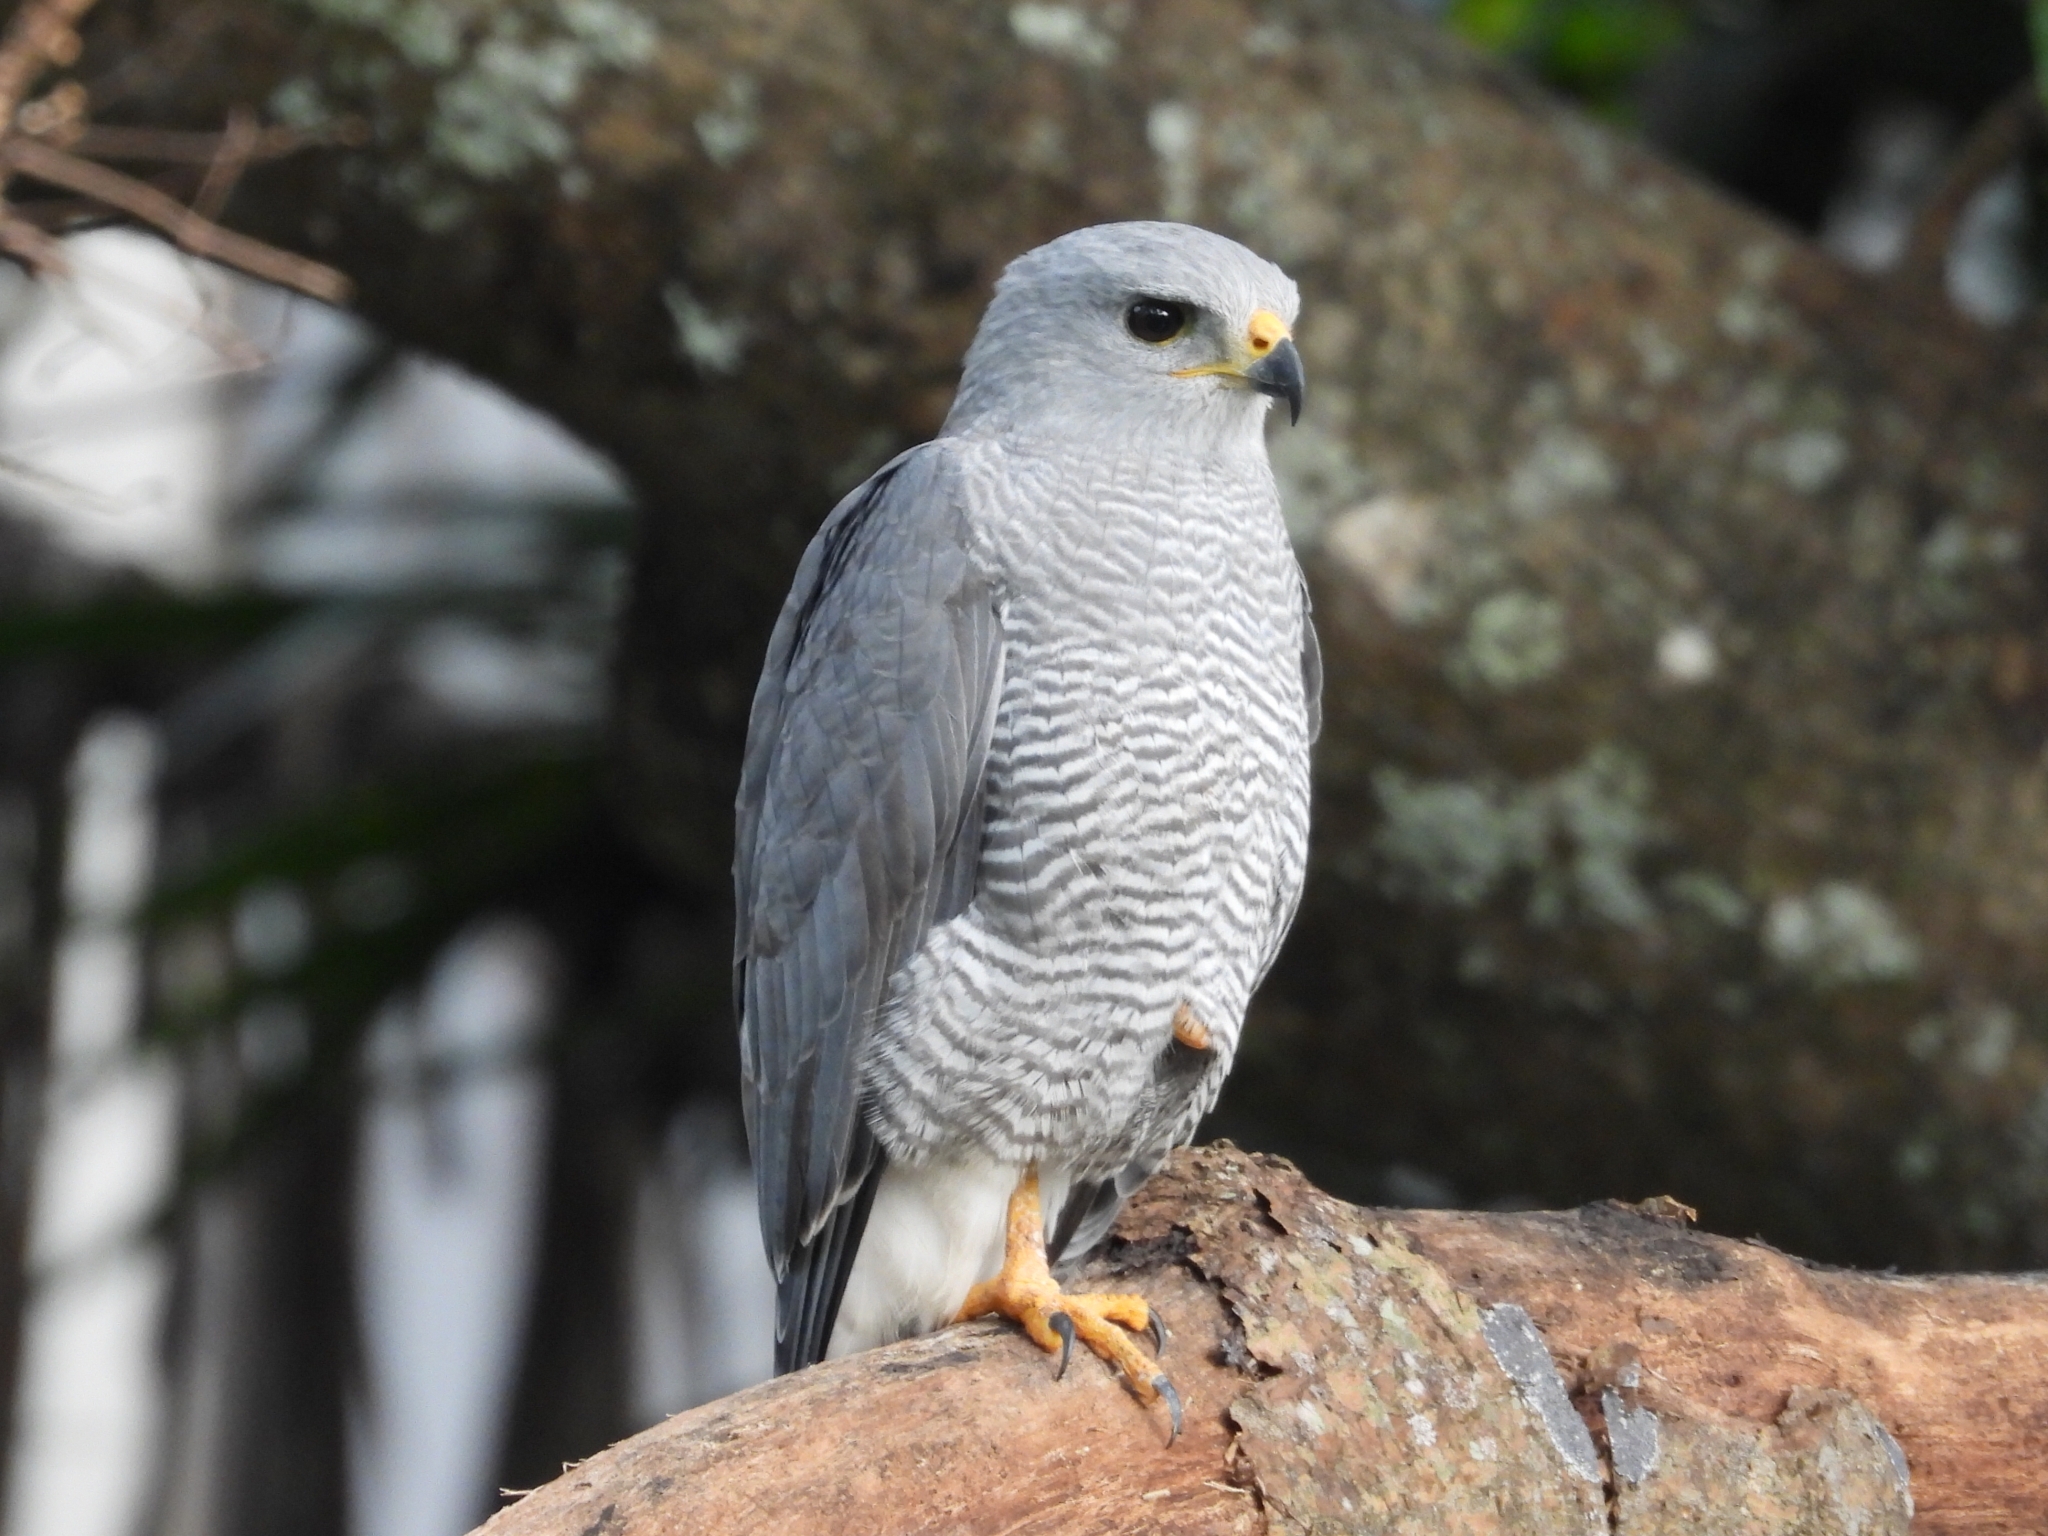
(859,828)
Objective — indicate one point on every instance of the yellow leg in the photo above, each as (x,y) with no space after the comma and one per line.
(1026,1293)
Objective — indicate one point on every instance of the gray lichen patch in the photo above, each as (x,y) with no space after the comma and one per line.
(1512,640)
(1708,894)
(732,126)
(506,81)
(1958,544)
(1067,32)
(1687,655)
(1660,358)
(1838,934)
(1576,836)
(504,111)
(1633,1443)
(1173,129)
(1807,461)
(1827,1467)
(1518,1349)
(715,344)
(1562,467)
(1390,542)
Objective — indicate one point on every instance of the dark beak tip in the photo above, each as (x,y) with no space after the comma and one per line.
(1279,374)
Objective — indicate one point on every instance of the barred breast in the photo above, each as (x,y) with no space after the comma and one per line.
(1146,821)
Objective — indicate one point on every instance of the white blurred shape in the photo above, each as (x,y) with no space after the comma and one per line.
(703,1318)
(113,831)
(272,927)
(1686,654)
(375,551)
(450,1189)
(487,678)
(1894,162)
(436,426)
(109,432)
(1987,274)
(424,490)
(90,1396)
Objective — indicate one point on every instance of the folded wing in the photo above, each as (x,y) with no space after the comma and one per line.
(859,828)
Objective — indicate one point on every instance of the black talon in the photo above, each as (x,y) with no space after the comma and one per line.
(1157,1328)
(1062,1325)
(1165,1389)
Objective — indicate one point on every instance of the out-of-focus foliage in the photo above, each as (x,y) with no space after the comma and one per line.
(282,948)
(1590,49)
(134,624)
(2037,16)
(295,903)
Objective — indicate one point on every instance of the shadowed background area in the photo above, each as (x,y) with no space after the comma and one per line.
(374,683)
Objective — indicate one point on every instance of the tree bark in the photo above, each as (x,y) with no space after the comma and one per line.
(1596,1370)
(1682,804)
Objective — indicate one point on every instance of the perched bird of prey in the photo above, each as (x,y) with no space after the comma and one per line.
(1025,803)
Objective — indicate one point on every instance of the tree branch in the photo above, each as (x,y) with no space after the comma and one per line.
(43,33)
(1998,138)
(1590,1370)
(40,34)
(190,229)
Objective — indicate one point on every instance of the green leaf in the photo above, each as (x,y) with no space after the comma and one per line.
(1499,26)
(2037,15)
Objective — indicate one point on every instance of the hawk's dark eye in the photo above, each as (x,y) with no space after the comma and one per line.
(1156,320)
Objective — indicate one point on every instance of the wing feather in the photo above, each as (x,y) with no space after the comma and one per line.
(859,827)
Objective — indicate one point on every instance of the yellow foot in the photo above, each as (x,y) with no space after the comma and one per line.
(1026,1292)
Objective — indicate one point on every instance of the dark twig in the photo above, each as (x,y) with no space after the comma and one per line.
(41,33)
(1998,139)
(51,141)
(34,248)
(229,161)
(58,118)
(168,146)
(192,231)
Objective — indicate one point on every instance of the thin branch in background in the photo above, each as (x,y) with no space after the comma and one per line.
(1996,142)
(38,250)
(42,33)
(58,118)
(230,159)
(192,231)
(33,140)
(171,146)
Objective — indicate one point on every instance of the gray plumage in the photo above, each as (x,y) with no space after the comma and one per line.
(1027,772)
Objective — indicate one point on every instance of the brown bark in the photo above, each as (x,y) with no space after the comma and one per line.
(1356,1370)
(1682,801)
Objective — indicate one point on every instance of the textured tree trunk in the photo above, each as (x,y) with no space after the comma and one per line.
(1682,804)
(1598,1370)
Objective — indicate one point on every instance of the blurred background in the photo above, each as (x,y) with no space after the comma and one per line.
(373,1169)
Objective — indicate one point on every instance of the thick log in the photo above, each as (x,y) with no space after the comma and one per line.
(1597,1370)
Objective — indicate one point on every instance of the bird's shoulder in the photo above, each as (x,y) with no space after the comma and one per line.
(879,677)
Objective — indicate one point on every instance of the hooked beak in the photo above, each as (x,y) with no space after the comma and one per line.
(1278,374)
(1267,362)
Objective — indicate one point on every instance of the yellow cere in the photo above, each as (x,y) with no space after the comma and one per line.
(1262,333)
